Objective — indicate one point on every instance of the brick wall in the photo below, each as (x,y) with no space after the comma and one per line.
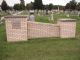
(19,29)
(38,30)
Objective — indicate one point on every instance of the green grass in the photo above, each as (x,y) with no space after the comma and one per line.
(44,49)
(41,48)
(42,19)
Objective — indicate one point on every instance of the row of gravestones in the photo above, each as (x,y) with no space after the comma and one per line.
(50,14)
(32,14)
(73,13)
(8,12)
(42,12)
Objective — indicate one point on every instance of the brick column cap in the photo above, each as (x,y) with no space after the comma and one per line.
(16,16)
(67,20)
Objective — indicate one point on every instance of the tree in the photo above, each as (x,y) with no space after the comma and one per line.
(71,5)
(38,4)
(67,6)
(78,6)
(30,6)
(17,7)
(46,7)
(10,8)
(4,6)
(22,4)
(50,7)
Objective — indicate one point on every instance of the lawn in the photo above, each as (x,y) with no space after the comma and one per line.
(41,48)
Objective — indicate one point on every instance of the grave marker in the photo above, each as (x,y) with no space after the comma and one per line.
(31,16)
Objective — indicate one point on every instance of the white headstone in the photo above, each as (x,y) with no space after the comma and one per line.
(31,18)
(51,16)
(0,9)
(67,15)
(78,13)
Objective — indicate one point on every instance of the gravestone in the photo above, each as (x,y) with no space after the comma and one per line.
(67,15)
(31,16)
(2,18)
(46,12)
(38,13)
(79,13)
(51,18)
(1,22)
(0,9)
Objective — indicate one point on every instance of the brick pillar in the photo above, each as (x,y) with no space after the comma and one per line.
(16,28)
(67,28)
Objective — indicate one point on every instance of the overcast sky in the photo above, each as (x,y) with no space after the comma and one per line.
(55,2)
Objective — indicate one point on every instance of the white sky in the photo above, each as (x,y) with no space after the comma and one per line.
(55,2)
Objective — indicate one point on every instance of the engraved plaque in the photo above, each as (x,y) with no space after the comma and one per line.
(16,24)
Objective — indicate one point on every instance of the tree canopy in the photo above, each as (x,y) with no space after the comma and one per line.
(38,4)
(71,5)
(50,7)
(22,4)
(78,6)
(30,6)
(4,6)
(17,7)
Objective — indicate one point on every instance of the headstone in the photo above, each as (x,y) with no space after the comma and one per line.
(0,9)
(51,16)
(42,12)
(46,12)
(78,13)
(2,18)
(31,16)
(39,14)
(1,22)
(67,15)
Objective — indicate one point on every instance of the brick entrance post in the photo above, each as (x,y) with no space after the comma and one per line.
(16,28)
(67,28)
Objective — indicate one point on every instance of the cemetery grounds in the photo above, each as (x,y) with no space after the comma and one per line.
(42,48)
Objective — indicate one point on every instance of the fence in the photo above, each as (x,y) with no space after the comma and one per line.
(19,29)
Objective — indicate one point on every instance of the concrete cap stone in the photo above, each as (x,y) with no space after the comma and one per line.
(16,16)
(67,20)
